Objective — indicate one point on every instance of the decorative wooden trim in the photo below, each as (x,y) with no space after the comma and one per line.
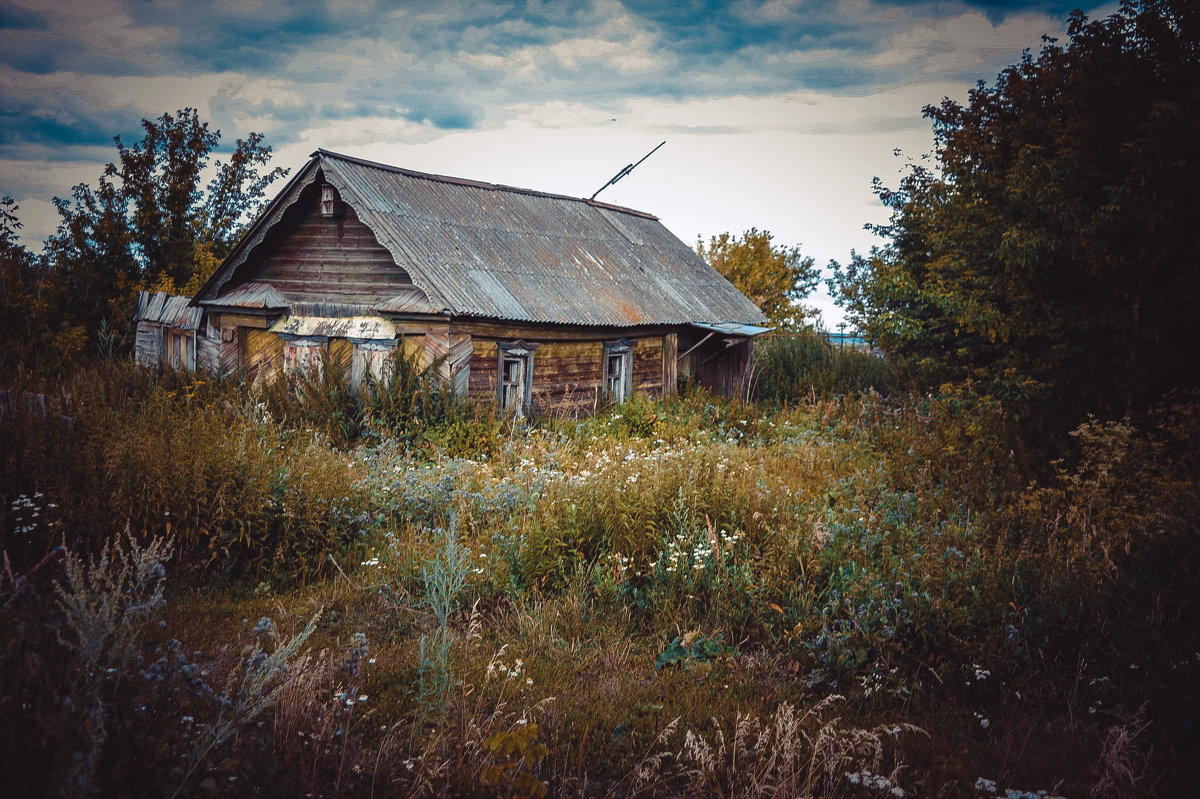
(520,349)
(258,233)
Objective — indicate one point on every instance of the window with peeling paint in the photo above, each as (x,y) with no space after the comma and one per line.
(303,355)
(369,360)
(618,370)
(515,378)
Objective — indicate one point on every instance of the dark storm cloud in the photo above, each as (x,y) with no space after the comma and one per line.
(444,64)
(74,74)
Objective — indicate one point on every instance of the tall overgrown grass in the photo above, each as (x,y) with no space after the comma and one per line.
(803,365)
(408,402)
(181,456)
(663,599)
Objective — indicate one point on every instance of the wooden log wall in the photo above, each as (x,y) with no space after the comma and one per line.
(648,365)
(568,363)
(261,353)
(568,366)
(327,259)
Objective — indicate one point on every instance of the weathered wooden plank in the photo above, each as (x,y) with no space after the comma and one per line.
(230,356)
(208,354)
(332,259)
(647,363)
(148,343)
(227,321)
(261,353)
(341,353)
(452,352)
(670,354)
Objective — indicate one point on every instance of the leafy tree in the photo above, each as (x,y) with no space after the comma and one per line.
(150,222)
(31,334)
(1051,259)
(776,278)
(16,279)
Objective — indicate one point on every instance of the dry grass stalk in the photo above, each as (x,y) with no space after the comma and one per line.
(783,757)
(1123,764)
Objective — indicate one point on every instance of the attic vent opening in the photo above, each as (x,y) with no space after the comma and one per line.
(331,206)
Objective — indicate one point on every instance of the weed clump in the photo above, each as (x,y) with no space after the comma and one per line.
(689,573)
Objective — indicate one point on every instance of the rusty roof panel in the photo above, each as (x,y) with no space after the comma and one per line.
(478,249)
(167,309)
(251,295)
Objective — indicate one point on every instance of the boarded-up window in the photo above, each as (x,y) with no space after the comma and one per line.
(370,359)
(261,352)
(303,355)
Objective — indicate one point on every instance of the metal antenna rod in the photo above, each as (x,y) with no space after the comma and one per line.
(626,171)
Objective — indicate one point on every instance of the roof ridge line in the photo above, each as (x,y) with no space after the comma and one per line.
(477,184)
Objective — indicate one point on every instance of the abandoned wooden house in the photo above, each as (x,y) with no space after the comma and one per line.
(535,299)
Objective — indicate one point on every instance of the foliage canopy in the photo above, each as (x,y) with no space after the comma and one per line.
(1051,258)
(150,222)
(773,276)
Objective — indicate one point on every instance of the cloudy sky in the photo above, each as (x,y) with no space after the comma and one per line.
(777,113)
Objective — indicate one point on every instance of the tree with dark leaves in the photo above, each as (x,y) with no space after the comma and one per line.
(1051,259)
(151,222)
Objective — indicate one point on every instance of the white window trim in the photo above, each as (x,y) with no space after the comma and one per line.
(622,349)
(515,350)
(313,348)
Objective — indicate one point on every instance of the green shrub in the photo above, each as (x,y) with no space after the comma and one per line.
(794,367)
(319,399)
(184,460)
(412,404)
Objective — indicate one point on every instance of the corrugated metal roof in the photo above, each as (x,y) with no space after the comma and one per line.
(483,250)
(251,295)
(411,301)
(733,329)
(167,309)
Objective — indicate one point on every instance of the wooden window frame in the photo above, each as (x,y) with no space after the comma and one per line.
(314,348)
(618,384)
(521,352)
(178,349)
(369,361)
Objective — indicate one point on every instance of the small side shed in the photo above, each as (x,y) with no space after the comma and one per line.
(168,330)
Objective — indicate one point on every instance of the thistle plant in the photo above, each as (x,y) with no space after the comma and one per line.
(105,604)
(443,577)
(106,601)
(253,689)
